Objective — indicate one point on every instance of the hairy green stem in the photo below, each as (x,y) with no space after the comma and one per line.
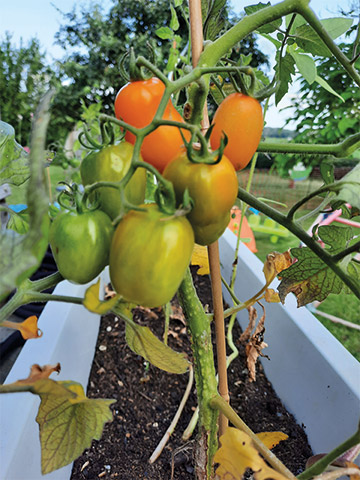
(320,466)
(294,228)
(218,403)
(205,377)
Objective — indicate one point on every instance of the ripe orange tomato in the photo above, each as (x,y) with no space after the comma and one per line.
(136,103)
(240,118)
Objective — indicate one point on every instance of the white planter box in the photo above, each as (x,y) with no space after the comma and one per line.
(314,375)
(317,379)
(69,337)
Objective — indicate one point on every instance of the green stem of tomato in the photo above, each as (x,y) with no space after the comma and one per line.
(205,376)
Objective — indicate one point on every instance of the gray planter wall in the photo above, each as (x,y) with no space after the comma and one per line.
(317,379)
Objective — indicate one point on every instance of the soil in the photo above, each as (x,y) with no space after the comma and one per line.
(147,399)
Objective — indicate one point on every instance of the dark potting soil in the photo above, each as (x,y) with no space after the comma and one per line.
(147,399)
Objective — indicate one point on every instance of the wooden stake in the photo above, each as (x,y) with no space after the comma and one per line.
(197,41)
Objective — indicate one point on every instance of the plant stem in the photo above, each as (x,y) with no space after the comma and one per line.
(218,403)
(50,297)
(205,378)
(294,228)
(321,464)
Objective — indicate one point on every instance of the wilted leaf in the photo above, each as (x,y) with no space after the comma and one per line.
(94,304)
(237,454)
(275,263)
(310,278)
(271,439)
(143,342)
(28,328)
(40,373)
(200,257)
(255,343)
(68,420)
(271,296)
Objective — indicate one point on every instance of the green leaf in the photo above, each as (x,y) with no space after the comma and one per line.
(275,42)
(286,68)
(14,160)
(165,33)
(269,27)
(323,83)
(19,222)
(310,42)
(310,278)
(174,22)
(143,342)
(336,26)
(213,18)
(178,3)
(22,254)
(349,192)
(327,170)
(305,64)
(347,123)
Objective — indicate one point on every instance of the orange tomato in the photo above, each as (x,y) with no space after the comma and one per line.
(240,117)
(136,104)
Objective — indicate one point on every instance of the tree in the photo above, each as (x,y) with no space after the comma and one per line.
(24,77)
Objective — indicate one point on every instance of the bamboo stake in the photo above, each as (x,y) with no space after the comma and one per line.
(213,249)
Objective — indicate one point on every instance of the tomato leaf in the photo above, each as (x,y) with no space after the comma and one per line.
(305,64)
(14,160)
(22,254)
(310,278)
(237,454)
(200,257)
(285,69)
(269,27)
(213,18)
(349,192)
(143,342)
(68,420)
(93,303)
(271,439)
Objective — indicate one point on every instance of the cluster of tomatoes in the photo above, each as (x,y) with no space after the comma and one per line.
(150,250)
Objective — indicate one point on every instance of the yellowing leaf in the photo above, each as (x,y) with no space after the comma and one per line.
(28,328)
(237,454)
(271,296)
(94,304)
(200,257)
(68,420)
(271,439)
(275,263)
(142,341)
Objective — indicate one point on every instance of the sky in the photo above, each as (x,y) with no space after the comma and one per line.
(28,18)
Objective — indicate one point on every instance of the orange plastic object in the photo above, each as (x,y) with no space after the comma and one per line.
(246,232)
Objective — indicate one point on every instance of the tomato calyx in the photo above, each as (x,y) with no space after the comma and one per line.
(73,198)
(199,152)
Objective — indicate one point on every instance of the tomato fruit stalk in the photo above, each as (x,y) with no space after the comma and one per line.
(240,117)
(136,104)
(149,254)
(80,243)
(213,189)
(111,163)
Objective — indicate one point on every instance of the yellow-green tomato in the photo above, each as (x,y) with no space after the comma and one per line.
(213,189)
(149,254)
(80,243)
(110,164)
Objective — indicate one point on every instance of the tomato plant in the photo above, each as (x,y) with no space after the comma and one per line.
(80,243)
(213,189)
(149,254)
(111,164)
(136,103)
(240,117)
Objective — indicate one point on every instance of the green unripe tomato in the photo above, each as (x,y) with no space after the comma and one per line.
(149,254)
(111,164)
(80,243)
